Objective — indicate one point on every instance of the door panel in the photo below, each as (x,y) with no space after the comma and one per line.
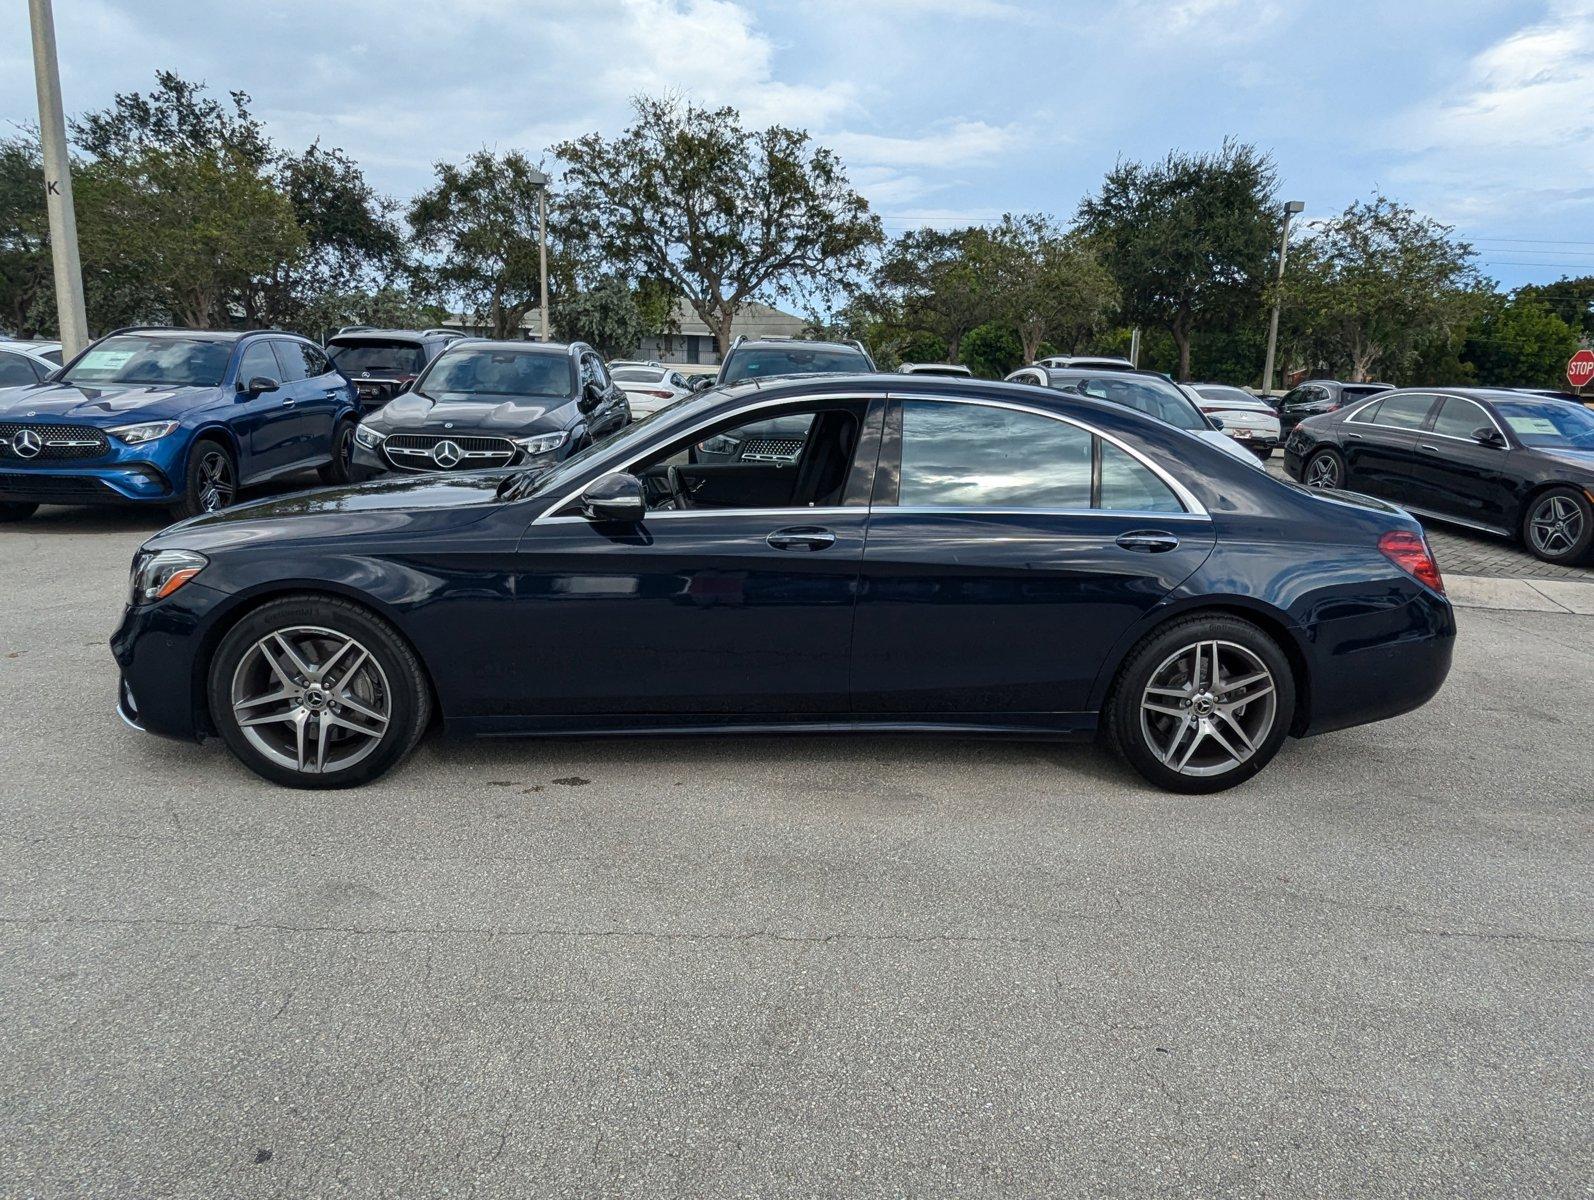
(993,612)
(684,613)
(1459,476)
(1381,455)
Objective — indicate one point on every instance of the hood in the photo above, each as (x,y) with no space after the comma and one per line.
(116,404)
(398,502)
(467,414)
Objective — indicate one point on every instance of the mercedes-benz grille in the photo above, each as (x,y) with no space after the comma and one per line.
(24,443)
(445,452)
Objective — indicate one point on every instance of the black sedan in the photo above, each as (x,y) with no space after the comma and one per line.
(939,555)
(486,404)
(1499,461)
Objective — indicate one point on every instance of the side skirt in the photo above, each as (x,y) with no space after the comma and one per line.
(1046,726)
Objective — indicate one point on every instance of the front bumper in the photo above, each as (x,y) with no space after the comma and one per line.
(158,648)
(130,482)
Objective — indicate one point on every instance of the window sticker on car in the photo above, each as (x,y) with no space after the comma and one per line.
(106,360)
(1532,425)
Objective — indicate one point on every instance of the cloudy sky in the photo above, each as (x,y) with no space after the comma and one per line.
(1479,112)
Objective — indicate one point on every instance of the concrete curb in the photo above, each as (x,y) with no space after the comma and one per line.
(1521,595)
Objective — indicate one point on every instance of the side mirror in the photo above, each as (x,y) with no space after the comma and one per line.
(591,396)
(1488,435)
(614,498)
(701,383)
(259,384)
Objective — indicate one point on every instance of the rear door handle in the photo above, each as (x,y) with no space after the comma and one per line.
(1148,541)
(801,537)
(287,402)
(1435,449)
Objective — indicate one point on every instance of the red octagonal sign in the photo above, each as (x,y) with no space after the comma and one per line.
(1581,369)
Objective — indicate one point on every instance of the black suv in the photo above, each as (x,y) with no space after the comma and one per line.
(1317,396)
(482,404)
(381,362)
(769,357)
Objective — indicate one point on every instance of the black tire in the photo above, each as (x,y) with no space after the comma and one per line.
(1147,740)
(341,469)
(210,481)
(1558,526)
(1264,454)
(393,682)
(1327,467)
(16,510)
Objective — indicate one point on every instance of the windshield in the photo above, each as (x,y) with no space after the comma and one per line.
(1549,425)
(1152,396)
(764,362)
(637,375)
(166,361)
(499,371)
(377,358)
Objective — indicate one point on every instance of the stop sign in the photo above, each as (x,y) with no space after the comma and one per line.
(1581,369)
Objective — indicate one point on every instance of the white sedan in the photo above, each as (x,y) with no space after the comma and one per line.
(649,387)
(1248,420)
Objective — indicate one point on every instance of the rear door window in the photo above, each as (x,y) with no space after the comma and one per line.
(1403,412)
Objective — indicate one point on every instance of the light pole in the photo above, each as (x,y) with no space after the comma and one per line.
(540,181)
(74,325)
(1291,207)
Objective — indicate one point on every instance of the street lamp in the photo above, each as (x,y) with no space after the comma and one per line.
(541,181)
(74,325)
(1290,209)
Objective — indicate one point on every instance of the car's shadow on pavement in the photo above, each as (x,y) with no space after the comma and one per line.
(78,520)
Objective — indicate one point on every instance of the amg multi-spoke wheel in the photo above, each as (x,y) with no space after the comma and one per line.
(317,693)
(311,699)
(1559,526)
(212,480)
(1208,707)
(1324,470)
(1203,704)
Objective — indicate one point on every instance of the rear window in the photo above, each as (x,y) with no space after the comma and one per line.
(372,357)
(636,374)
(766,362)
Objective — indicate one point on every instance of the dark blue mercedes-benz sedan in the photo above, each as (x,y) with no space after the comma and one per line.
(867,553)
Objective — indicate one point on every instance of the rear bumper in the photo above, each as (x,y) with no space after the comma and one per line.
(1379,665)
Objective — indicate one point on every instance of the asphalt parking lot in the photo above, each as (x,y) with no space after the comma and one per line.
(789,966)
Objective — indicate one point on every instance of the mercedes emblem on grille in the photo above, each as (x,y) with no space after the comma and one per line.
(445,454)
(26,444)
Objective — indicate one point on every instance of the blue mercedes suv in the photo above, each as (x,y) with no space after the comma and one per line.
(175,417)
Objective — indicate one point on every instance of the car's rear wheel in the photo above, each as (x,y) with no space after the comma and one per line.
(1558,526)
(316,692)
(1325,469)
(16,510)
(1202,705)
(210,483)
(341,469)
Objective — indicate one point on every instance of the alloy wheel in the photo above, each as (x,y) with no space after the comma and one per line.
(216,487)
(1208,708)
(1323,472)
(1555,526)
(310,699)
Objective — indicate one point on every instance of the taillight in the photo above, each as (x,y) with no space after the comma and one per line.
(1409,551)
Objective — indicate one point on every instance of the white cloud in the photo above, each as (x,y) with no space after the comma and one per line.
(950,144)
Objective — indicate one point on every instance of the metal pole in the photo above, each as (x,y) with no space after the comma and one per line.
(1134,345)
(542,254)
(1290,209)
(74,325)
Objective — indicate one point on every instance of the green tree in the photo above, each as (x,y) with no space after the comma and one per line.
(26,302)
(1187,239)
(479,226)
(1372,286)
(941,281)
(725,214)
(1570,298)
(1519,342)
(1050,287)
(606,316)
(992,350)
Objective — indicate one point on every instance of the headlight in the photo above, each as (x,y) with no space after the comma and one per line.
(720,443)
(159,573)
(542,443)
(137,435)
(367,437)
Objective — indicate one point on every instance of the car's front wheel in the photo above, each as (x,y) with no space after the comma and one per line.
(316,692)
(210,483)
(15,510)
(1202,705)
(1558,526)
(1325,469)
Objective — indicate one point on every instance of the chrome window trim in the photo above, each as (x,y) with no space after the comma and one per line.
(976,510)
(1183,494)
(1382,396)
(667,435)
(671,514)
(1355,413)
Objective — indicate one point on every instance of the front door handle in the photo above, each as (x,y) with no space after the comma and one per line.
(1434,449)
(801,537)
(288,402)
(1148,541)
